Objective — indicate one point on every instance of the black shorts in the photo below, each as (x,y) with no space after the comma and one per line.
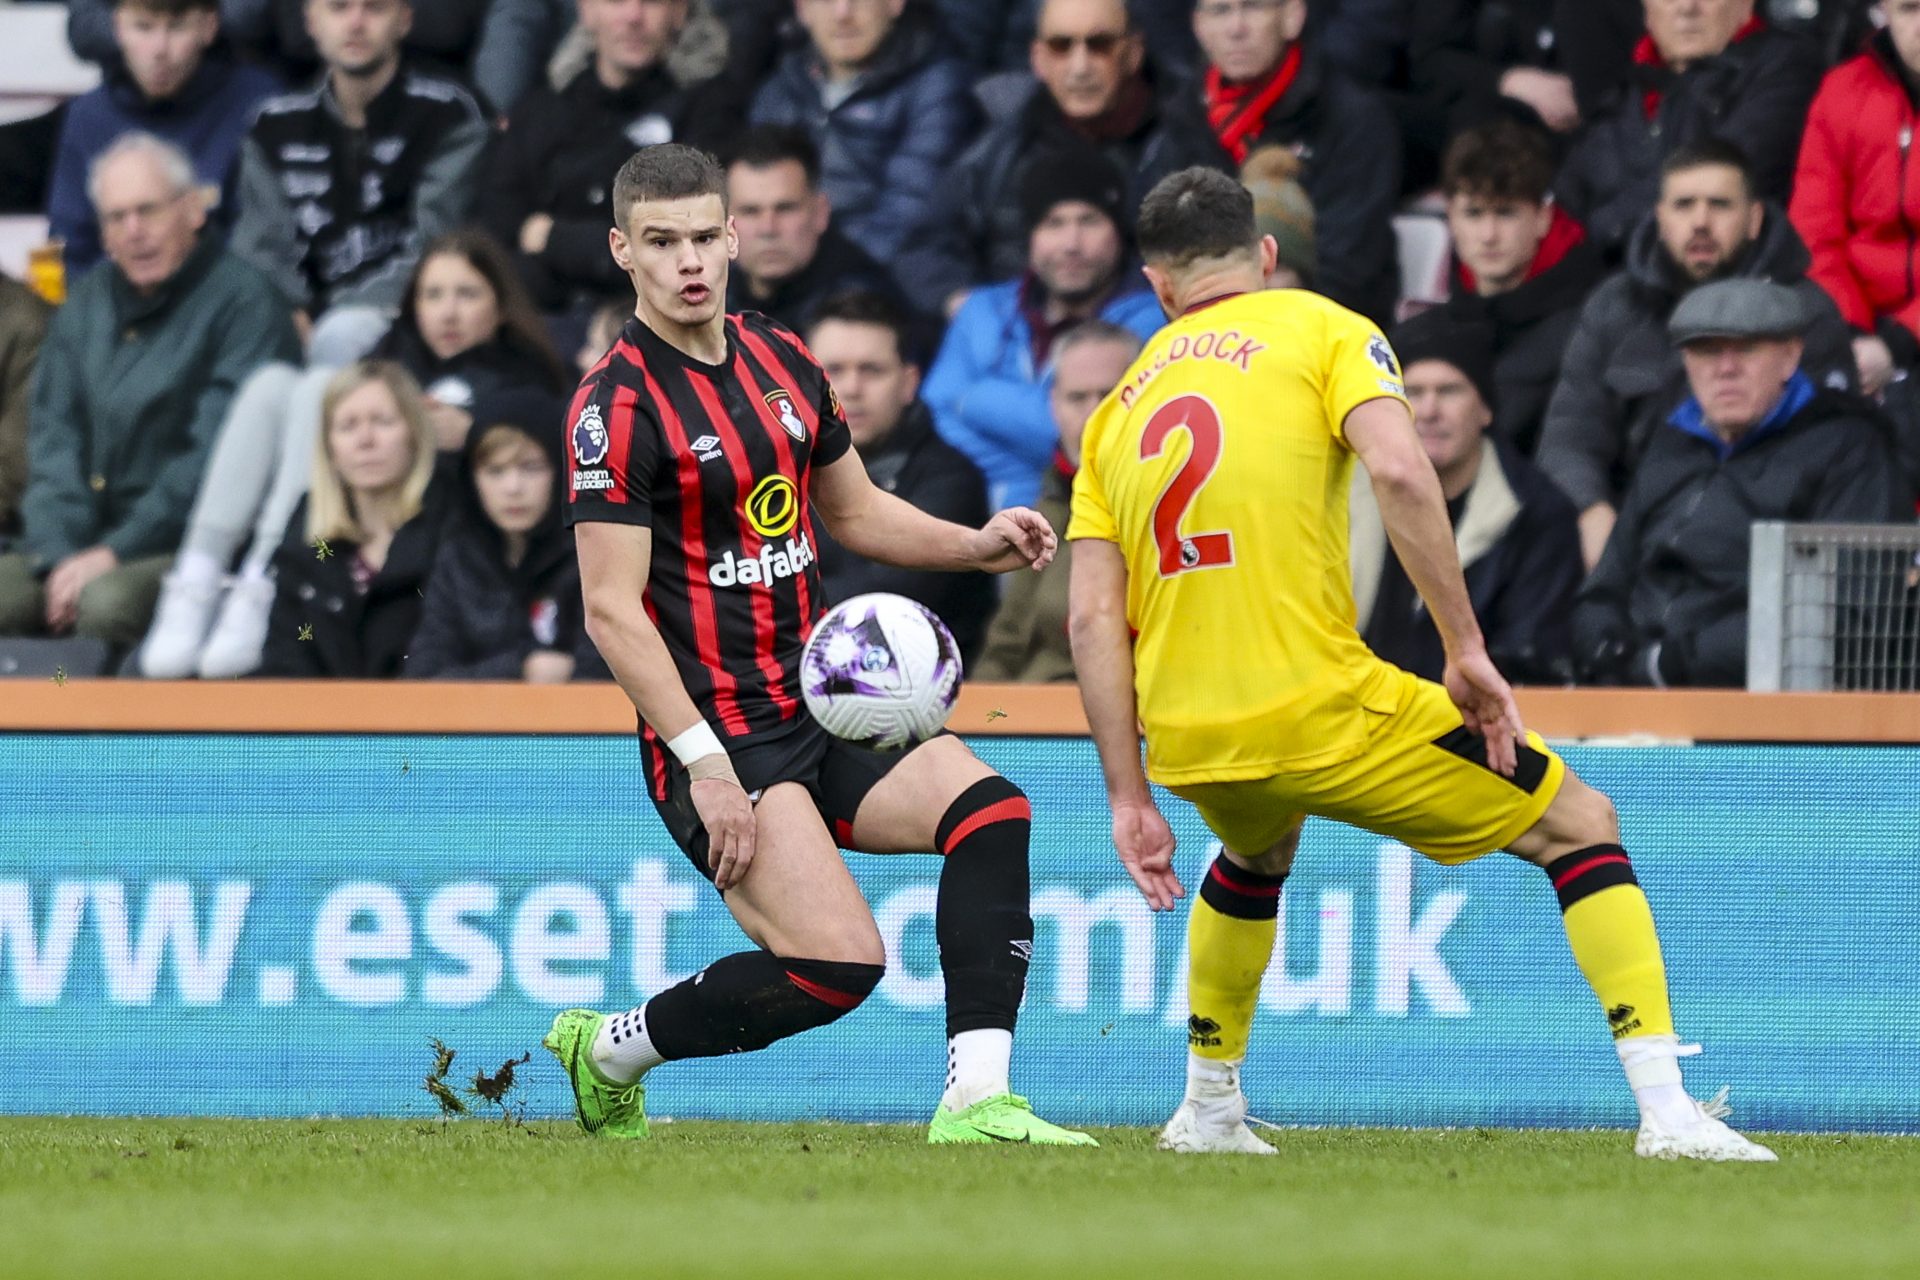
(837,774)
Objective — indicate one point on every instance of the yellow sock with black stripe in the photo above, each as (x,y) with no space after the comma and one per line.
(1230,933)
(1610,928)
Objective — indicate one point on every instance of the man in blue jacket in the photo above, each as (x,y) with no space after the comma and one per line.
(172,82)
(988,386)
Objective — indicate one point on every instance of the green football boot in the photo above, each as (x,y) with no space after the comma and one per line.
(603,1108)
(1005,1117)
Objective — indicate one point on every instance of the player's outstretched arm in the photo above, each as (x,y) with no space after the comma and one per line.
(1415,513)
(1103,662)
(872,523)
(614,561)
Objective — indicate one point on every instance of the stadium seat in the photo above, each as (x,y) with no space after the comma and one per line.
(75,656)
(37,68)
(1425,247)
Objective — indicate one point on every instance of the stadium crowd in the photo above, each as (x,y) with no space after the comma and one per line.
(297,411)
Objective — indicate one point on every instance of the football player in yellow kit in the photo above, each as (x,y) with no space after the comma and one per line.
(1212,607)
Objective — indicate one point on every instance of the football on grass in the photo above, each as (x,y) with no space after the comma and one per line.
(881,671)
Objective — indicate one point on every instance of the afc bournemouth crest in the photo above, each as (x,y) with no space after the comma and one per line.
(590,437)
(782,405)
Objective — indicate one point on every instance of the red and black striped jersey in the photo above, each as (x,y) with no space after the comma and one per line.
(716,461)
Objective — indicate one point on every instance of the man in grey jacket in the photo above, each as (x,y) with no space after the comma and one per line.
(1620,376)
(342,185)
(134,376)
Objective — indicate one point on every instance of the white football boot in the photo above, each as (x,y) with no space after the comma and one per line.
(1213,1124)
(1706,1137)
(180,625)
(239,635)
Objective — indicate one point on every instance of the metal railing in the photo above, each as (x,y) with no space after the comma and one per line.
(1833,607)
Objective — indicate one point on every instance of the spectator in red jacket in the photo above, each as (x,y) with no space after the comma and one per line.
(1857,205)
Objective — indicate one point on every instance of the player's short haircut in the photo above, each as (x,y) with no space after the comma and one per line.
(766,145)
(1710,151)
(1194,215)
(1499,160)
(668,171)
(864,306)
(1092,331)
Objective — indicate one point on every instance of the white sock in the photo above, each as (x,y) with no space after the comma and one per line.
(977,1066)
(1211,1079)
(1652,1065)
(197,568)
(622,1052)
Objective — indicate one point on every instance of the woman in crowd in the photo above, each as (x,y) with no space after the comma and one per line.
(503,601)
(350,574)
(467,330)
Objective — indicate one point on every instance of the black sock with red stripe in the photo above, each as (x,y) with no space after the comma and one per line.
(983,922)
(1232,890)
(751,999)
(1587,871)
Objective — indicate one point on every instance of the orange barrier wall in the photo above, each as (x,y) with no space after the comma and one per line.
(265,706)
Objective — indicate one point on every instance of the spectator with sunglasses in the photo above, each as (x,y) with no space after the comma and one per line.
(1088,91)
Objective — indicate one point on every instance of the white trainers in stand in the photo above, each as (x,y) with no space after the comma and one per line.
(238,638)
(1213,1124)
(1705,1137)
(180,625)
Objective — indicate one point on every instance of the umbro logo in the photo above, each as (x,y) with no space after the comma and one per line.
(707,448)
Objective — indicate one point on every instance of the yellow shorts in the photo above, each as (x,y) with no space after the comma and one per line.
(1422,780)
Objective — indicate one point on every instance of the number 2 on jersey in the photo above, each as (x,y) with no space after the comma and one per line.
(1196,415)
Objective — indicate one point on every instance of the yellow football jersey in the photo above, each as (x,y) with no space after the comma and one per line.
(1219,469)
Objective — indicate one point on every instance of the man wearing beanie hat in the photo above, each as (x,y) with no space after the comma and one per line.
(1518,535)
(988,387)
(1756,440)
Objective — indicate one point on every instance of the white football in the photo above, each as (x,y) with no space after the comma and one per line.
(881,671)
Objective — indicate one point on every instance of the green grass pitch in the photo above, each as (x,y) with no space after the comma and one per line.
(156,1199)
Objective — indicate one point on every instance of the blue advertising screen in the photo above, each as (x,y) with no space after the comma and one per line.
(276,925)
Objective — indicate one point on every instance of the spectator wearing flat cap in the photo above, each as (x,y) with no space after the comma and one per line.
(1756,440)
(1518,536)
(988,387)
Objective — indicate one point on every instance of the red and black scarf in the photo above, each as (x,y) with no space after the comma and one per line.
(1238,112)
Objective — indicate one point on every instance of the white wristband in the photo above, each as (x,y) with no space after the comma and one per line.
(696,743)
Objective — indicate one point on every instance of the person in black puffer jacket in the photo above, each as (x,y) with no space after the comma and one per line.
(503,600)
(350,575)
(1758,440)
(1730,76)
